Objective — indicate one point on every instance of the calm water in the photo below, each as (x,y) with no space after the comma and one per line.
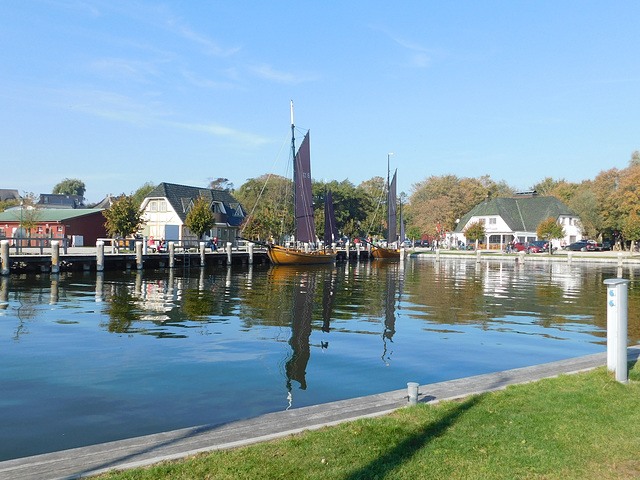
(87,358)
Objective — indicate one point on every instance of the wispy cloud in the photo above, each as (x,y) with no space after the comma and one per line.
(267,72)
(225,132)
(121,68)
(200,81)
(418,56)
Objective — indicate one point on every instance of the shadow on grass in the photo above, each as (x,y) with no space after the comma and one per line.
(403,452)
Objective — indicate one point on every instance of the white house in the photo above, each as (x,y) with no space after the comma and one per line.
(165,209)
(517,218)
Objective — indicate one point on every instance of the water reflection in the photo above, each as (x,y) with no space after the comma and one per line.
(196,342)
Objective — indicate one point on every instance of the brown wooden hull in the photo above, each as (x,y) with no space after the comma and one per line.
(291,256)
(382,253)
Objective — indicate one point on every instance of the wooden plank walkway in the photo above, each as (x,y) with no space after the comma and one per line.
(134,452)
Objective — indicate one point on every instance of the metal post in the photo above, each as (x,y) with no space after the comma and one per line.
(617,327)
(229,245)
(172,254)
(250,250)
(412,390)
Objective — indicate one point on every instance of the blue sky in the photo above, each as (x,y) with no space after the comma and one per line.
(118,93)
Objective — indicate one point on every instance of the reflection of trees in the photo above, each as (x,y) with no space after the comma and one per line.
(121,308)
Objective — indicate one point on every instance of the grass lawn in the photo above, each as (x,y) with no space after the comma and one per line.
(583,426)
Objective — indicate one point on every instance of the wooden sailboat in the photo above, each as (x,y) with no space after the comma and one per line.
(304,221)
(389,252)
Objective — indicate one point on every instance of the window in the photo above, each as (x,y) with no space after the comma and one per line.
(153,206)
(60,228)
(492,221)
(162,206)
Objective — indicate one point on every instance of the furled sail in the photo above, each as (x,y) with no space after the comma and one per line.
(330,227)
(305,228)
(392,210)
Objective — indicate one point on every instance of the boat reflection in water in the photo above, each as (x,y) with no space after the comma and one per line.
(302,282)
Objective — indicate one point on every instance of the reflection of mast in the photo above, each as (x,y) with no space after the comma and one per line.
(390,308)
(303,292)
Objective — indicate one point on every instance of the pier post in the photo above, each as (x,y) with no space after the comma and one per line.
(437,256)
(4,257)
(229,245)
(347,248)
(139,255)
(569,257)
(4,292)
(617,327)
(55,256)
(521,257)
(145,245)
(100,256)
(202,257)
(250,250)
(402,254)
(172,254)
(619,259)
(358,248)
(478,256)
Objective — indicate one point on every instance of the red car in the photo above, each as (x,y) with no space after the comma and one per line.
(527,247)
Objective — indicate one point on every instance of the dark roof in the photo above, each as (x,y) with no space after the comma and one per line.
(8,194)
(520,214)
(181,196)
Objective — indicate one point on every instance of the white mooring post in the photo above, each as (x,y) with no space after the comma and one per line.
(4,257)
(412,391)
(202,256)
(250,250)
(172,254)
(139,255)
(99,256)
(55,257)
(617,327)
(229,257)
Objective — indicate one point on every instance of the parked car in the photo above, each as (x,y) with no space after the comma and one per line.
(583,246)
(543,245)
(407,243)
(528,247)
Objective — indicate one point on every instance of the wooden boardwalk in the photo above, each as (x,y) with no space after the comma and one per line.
(86,461)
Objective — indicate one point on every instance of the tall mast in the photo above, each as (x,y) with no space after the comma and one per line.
(293,156)
(388,198)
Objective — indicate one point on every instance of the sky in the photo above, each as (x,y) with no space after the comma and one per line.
(120,93)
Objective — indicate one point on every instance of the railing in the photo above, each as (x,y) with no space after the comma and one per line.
(20,243)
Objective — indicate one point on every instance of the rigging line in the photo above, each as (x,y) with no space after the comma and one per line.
(263,188)
(375,214)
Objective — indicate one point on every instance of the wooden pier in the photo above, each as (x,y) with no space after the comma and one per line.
(50,260)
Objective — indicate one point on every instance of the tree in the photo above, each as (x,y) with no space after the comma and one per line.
(475,232)
(220,184)
(550,229)
(70,186)
(269,199)
(142,192)
(631,228)
(123,217)
(200,217)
